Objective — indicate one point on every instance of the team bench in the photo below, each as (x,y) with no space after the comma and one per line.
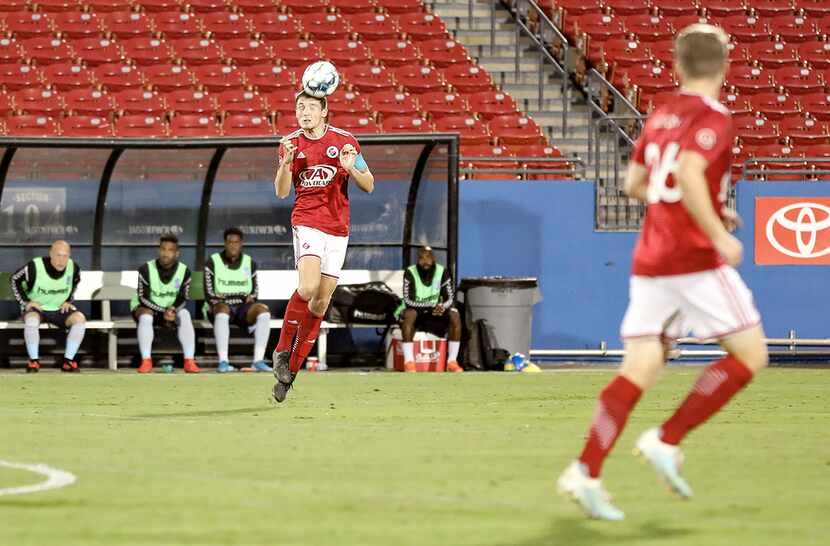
(107,287)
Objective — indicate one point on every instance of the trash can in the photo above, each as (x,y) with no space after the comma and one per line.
(506,303)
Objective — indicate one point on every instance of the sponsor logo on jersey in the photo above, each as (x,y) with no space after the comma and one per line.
(50,292)
(706,138)
(792,231)
(332,151)
(301,155)
(317,176)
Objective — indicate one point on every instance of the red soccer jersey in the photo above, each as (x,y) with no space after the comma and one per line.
(321,185)
(671,243)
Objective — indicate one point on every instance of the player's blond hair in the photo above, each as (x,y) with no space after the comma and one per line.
(701,51)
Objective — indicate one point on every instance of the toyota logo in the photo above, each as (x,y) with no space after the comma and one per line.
(805,227)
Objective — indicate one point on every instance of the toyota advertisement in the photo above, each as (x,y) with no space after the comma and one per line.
(792,231)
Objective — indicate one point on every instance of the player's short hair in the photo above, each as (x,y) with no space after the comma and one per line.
(322,100)
(701,50)
(232,231)
(168,238)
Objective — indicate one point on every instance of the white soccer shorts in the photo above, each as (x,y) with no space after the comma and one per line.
(330,249)
(710,304)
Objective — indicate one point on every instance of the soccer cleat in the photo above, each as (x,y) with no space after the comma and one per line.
(452,366)
(225,367)
(280,391)
(588,493)
(146,365)
(190,366)
(33,366)
(282,367)
(409,367)
(69,366)
(666,460)
(261,366)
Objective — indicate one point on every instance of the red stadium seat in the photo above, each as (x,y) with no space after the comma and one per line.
(792,28)
(763,134)
(97,51)
(286,124)
(146,51)
(422,26)
(196,51)
(175,25)
(86,127)
(444,52)
(650,78)
(88,102)
(662,51)
(5,105)
(45,50)
(373,26)
(348,103)
(735,102)
(817,104)
(189,101)
(140,126)
(471,130)
(394,53)
(750,79)
(490,104)
(275,26)
(219,77)
(31,126)
(139,101)
(622,52)
(225,25)
(675,8)
(405,124)
(76,24)
(799,80)
(194,125)
(168,76)
(305,6)
(772,8)
(346,52)
(10,50)
(241,102)
(15,76)
(600,27)
(648,28)
(401,6)
(353,6)
(627,7)
(27,24)
(393,103)
(107,6)
(354,123)
(268,77)
(468,79)
(751,121)
(67,76)
(814,8)
(656,101)
(746,28)
(254,6)
(368,78)
(246,51)
(57,6)
(207,6)
(37,101)
(128,24)
(116,76)
(775,105)
(804,130)
(774,54)
(723,8)
(440,103)
(296,53)
(156,6)
(478,159)
(282,101)
(515,129)
(325,26)
(817,53)
(680,22)
(419,79)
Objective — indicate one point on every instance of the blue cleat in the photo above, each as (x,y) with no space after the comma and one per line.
(666,460)
(225,367)
(261,366)
(588,493)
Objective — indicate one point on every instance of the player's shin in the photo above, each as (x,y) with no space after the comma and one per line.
(306,337)
(295,312)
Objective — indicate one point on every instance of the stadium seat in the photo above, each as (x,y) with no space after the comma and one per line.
(478,160)
(31,126)
(346,52)
(10,50)
(373,26)
(792,28)
(817,104)
(237,101)
(207,6)
(774,54)
(37,101)
(281,101)
(627,7)
(600,27)
(541,152)
(815,52)
(219,77)
(347,103)
(799,80)
(652,102)
(27,24)
(168,76)
(189,101)
(56,6)
(67,76)
(5,105)
(471,130)
(175,25)
(444,52)
(15,76)
(648,28)
(254,6)
(116,76)
(515,130)
(77,24)
(675,8)
(419,79)
(146,50)
(268,77)
(86,127)
(490,104)
(194,125)
(224,25)
(325,26)
(139,101)
(89,102)
(296,53)
(275,26)
(405,124)
(736,103)
(356,124)
(157,6)
(468,79)
(401,6)
(352,6)
(749,121)
(127,24)
(772,8)
(393,53)
(679,22)
(750,79)
(440,103)
(97,51)
(723,8)
(650,78)
(805,130)
(621,52)
(139,126)
(196,51)
(421,26)
(746,28)
(286,124)
(246,51)
(368,78)
(814,8)
(393,103)
(775,105)
(305,6)
(759,136)
(45,50)
(662,51)
(106,6)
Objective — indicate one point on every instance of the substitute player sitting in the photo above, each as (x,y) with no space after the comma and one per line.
(160,299)
(231,292)
(317,160)
(44,288)
(683,277)
(428,299)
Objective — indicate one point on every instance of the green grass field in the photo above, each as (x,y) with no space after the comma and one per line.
(393,459)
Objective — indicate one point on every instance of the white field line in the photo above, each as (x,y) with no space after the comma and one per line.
(55,478)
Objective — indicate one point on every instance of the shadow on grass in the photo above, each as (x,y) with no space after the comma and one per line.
(202,413)
(577,531)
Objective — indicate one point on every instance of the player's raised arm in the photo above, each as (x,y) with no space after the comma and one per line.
(690,176)
(356,166)
(282,180)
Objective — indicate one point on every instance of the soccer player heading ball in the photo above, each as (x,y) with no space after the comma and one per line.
(683,277)
(317,160)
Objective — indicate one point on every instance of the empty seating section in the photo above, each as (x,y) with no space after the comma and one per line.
(778,84)
(191,68)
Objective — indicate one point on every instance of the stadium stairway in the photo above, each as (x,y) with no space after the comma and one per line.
(474,33)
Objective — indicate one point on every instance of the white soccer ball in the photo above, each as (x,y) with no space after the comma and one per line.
(320,79)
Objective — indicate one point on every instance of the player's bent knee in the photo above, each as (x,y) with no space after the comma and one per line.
(76,318)
(308,290)
(260,308)
(409,316)
(221,308)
